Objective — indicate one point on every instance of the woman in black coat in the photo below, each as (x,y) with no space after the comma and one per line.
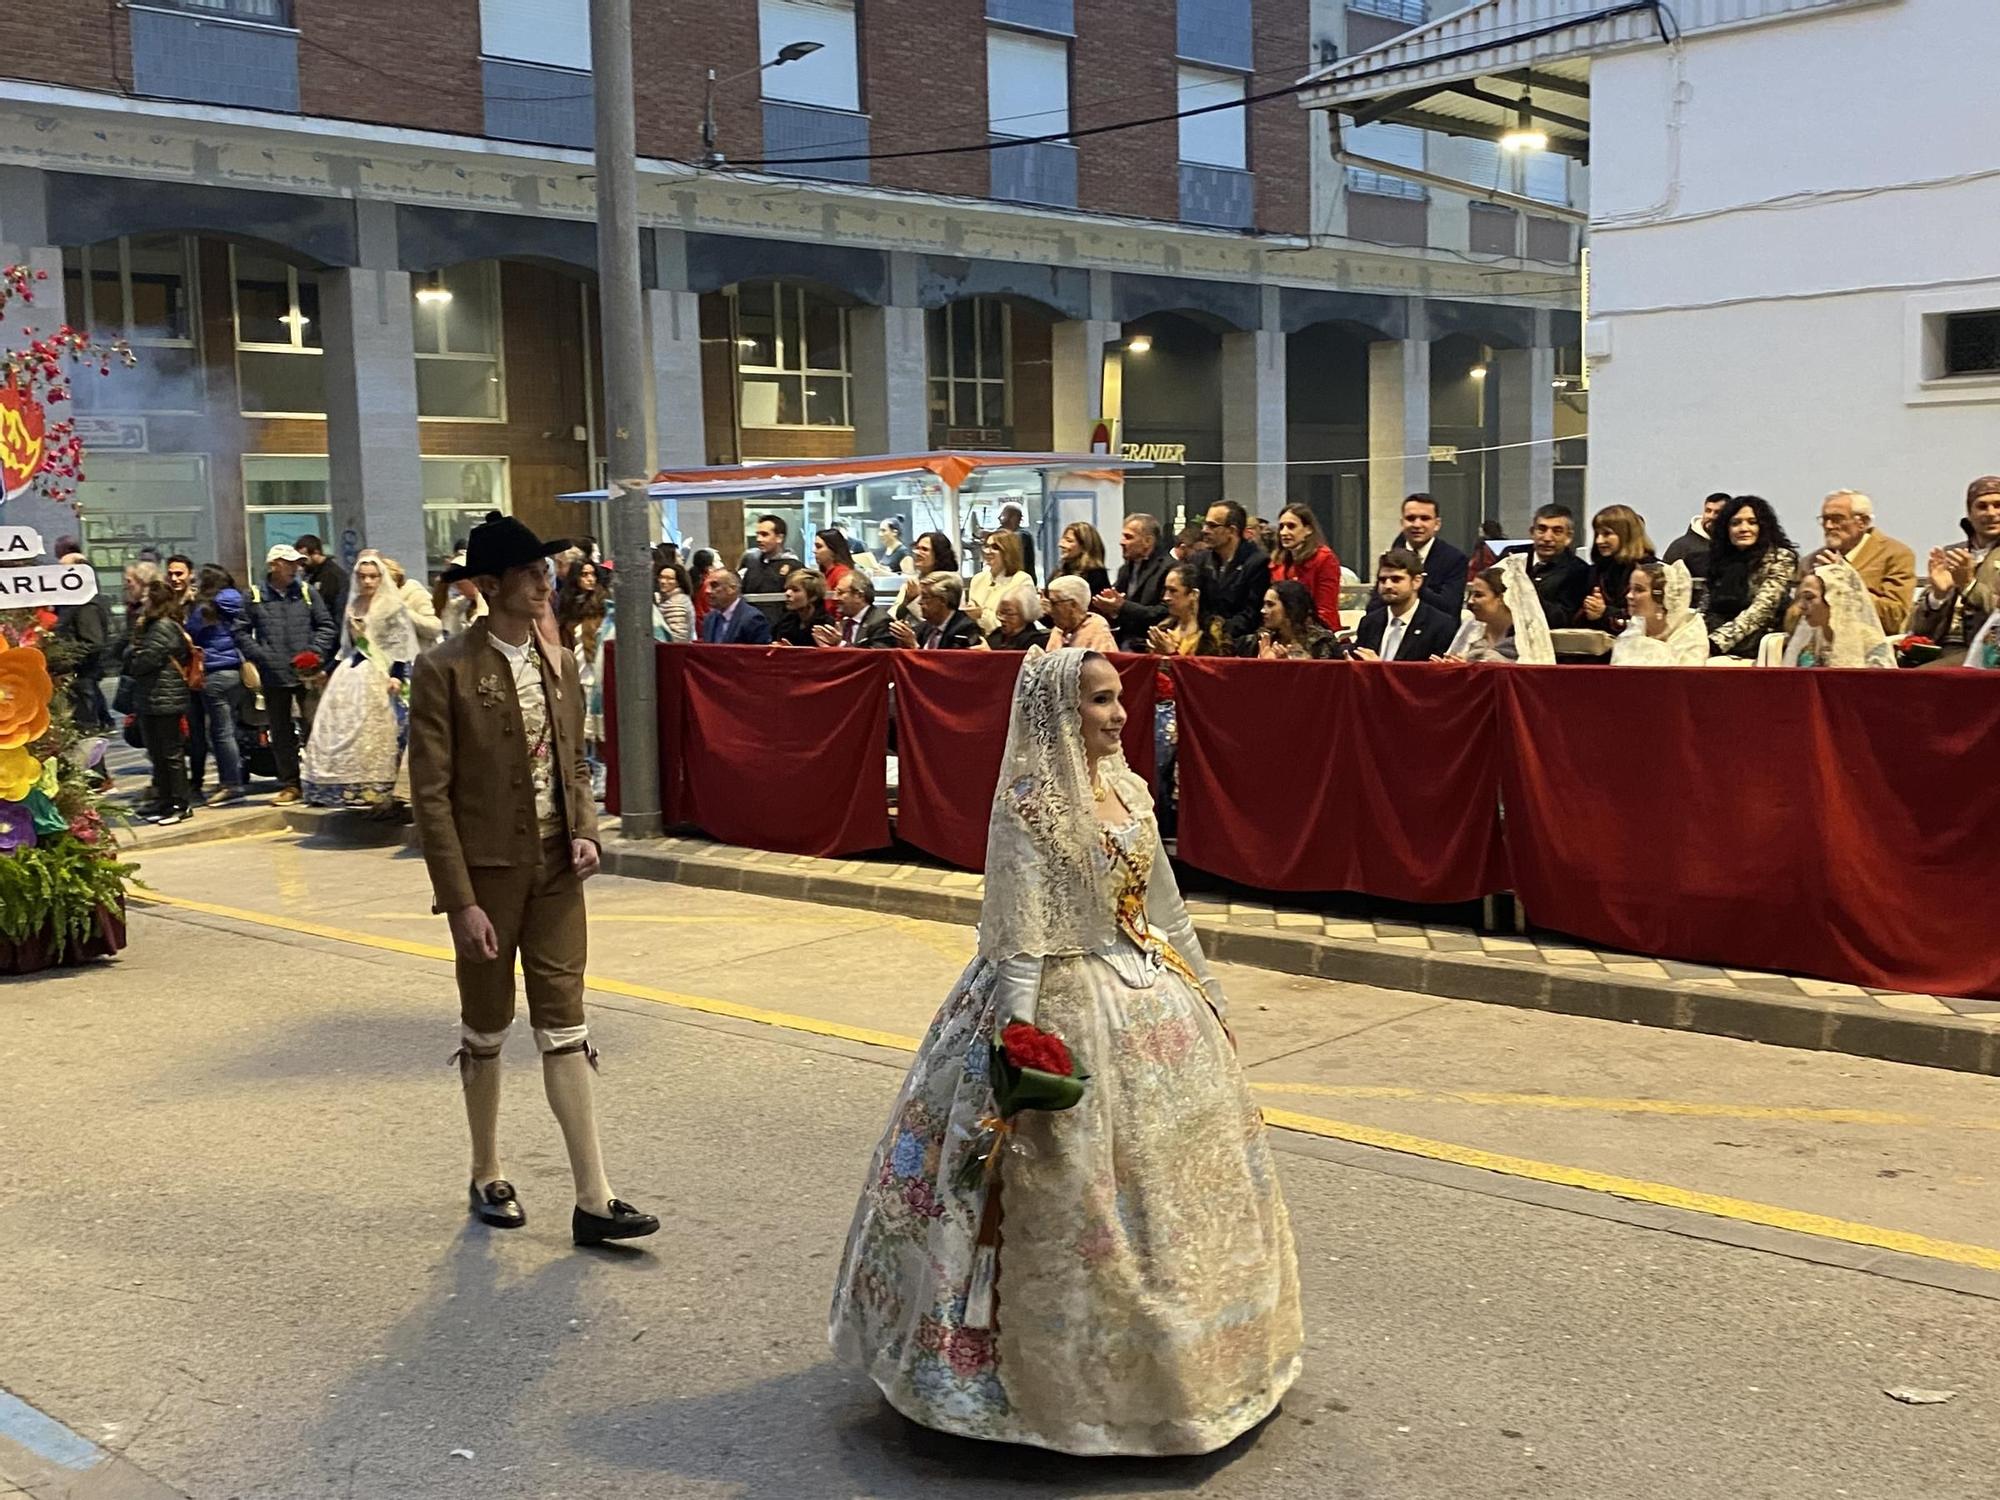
(156,658)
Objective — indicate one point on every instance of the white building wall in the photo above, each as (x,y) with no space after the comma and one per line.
(1775,208)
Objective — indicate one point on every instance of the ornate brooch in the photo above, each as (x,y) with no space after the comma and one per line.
(490,692)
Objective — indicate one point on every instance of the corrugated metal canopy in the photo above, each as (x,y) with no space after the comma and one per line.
(1469,73)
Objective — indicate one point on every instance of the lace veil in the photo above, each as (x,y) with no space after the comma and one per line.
(1047,892)
(1532,645)
(1857,629)
(392,637)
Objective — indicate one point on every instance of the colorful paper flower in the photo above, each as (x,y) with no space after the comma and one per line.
(17,827)
(25,690)
(20,773)
(51,778)
(46,816)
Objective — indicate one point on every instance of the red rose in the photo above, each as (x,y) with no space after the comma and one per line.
(1029,1046)
(306,661)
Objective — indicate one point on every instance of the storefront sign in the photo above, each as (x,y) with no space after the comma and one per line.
(50,584)
(1444,453)
(114,434)
(22,449)
(20,544)
(976,438)
(1101,439)
(1155,453)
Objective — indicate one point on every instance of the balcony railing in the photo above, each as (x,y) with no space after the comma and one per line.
(528,102)
(1043,173)
(216,55)
(806,130)
(1220,197)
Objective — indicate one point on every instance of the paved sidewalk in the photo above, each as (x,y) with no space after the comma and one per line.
(1538,971)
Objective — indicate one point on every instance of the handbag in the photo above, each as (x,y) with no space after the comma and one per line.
(253,680)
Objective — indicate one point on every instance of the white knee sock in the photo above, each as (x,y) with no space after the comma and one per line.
(571,1085)
(482,1113)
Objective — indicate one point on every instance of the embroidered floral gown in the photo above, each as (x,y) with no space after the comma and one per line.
(1147,1297)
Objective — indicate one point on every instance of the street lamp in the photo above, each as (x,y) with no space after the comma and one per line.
(791,52)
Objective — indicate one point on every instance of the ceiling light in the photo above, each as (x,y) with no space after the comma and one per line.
(434,293)
(1526,135)
(1139,343)
(1478,372)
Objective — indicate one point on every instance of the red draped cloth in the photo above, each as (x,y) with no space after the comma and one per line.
(782,749)
(1323,776)
(1838,823)
(951,729)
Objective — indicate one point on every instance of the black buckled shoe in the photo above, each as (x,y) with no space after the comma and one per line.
(624,1223)
(496,1204)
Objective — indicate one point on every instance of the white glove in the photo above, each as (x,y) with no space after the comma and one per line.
(1016,991)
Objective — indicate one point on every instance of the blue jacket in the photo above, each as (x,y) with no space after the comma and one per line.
(214,632)
(278,626)
(749,626)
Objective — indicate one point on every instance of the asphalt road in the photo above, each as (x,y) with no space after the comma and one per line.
(235,1247)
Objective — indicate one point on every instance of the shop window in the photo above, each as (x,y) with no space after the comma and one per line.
(458,492)
(969,359)
(276,308)
(285,497)
(457,328)
(827,79)
(791,357)
(141,289)
(1217,139)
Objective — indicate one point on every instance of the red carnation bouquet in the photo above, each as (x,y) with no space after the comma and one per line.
(1917,651)
(306,663)
(1031,1069)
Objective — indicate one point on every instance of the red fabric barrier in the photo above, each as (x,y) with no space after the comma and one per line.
(782,749)
(951,729)
(1831,823)
(1317,776)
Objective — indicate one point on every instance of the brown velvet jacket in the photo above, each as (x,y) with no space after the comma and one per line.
(469,785)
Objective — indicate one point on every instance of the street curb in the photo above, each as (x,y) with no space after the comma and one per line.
(1814,1025)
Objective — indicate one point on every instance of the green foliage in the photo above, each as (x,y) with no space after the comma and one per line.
(58,887)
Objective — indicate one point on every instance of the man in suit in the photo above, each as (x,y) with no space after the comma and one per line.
(1886,566)
(1963,583)
(1560,576)
(1133,604)
(1441,566)
(1407,627)
(1011,517)
(946,627)
(502,799)
(731,621)
(1239,570)
(863,622)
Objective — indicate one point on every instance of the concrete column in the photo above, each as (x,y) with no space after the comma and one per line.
(676,437)
(1077,387)
(1399,434)
(1528,417)
(375,477)
(891,404)
(1253,415)
(891,397)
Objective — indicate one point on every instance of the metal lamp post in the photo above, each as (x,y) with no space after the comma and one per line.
(792,52)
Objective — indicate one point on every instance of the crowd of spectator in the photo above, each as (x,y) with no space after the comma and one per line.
(1732,587)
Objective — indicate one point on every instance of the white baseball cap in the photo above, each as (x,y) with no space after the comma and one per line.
(283,553)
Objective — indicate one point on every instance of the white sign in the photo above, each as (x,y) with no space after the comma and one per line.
(50,584)
(20,544)
(113,434)
(1444,453)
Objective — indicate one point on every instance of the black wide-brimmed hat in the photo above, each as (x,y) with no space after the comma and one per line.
(500,544)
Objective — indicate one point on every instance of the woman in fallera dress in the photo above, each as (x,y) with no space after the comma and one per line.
(1146,1299)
